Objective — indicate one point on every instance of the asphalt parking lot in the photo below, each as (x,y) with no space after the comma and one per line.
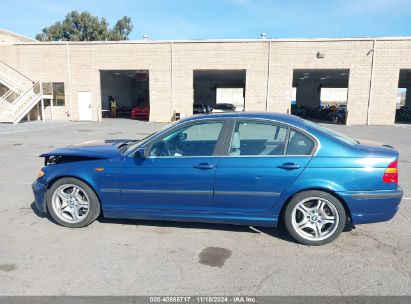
(133,257)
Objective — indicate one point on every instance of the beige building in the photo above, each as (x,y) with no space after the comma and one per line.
(74,80)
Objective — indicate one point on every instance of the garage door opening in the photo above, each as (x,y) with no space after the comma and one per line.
(218,91)
(320,95)
(403,107)
(130,90)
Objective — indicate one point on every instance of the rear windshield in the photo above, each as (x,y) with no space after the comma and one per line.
(342,137)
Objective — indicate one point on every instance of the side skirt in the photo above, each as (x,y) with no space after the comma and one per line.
(263,220)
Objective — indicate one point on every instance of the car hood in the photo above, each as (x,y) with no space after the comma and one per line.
(95,149)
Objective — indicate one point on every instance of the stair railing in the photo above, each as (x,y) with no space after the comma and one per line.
(13,79)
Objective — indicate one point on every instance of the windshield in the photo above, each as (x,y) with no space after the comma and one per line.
(135,144)
(342,137)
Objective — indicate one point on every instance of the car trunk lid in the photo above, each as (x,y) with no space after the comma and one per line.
(376,149)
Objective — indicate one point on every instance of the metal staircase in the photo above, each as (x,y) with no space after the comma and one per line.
(14,80)
(22,95)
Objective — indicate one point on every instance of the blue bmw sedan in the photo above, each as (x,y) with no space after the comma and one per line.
(240,168)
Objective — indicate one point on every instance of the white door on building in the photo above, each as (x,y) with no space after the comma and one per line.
(84,105)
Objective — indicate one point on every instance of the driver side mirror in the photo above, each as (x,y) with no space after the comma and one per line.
(182,136)
(141,153)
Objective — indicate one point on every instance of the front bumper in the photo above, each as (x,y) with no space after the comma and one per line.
(39,191)
(372,206)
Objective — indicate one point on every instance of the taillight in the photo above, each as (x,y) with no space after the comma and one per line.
(391,173)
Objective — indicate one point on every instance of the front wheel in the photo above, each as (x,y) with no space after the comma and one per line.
(314,217)
(72,203)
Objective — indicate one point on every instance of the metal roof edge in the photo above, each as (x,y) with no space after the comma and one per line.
(394,38)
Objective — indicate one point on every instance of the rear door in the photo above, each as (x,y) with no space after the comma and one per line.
(264,158)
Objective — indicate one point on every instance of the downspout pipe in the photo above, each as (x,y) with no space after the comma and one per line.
(267,94)
(69,80)
(371,80)
(172,76)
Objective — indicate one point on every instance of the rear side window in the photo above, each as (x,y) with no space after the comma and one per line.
(299,144)
(254,138)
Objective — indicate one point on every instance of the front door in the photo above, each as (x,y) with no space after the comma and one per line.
(178,173)
(84,104)
(264,159)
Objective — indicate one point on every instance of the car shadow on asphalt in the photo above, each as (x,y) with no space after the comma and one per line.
(277,232)
(37,212)
(41,214)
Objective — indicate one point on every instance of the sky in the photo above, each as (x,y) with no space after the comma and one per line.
(223,19)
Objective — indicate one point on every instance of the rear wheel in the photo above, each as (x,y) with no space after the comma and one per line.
(72,203)
(314,217)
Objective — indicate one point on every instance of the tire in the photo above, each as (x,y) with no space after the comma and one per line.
(72,203)
(314,217)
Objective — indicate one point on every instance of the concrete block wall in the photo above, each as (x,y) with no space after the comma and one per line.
(352,55)
(10,37)
(390,57)
(171,66)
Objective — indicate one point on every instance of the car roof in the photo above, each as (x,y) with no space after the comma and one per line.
(285,118)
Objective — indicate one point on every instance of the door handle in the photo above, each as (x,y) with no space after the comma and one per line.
(204,166)
(289,166)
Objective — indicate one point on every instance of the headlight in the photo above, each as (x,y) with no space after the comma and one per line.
(40,174)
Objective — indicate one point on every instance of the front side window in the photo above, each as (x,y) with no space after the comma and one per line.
(254,138)
(299,144)
(195,140)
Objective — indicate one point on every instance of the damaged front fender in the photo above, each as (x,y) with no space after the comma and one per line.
(90,151)
(59,159)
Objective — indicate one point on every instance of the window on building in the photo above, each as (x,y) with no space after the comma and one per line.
(58,94)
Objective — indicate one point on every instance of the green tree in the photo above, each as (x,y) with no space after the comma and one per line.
(122,29)
(85,27)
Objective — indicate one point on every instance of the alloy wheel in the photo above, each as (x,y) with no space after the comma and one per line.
(315,218)
(70,203)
